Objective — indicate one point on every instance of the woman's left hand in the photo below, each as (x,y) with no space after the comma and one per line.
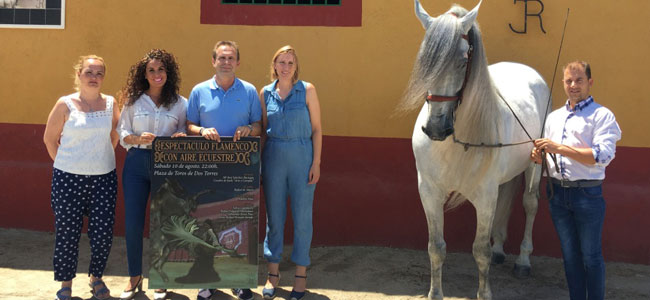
(314,174)
(179,134)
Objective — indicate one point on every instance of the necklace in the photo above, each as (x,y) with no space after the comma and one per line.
(84,101)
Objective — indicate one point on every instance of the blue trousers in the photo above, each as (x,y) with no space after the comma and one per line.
(73,197)
(136,183)
(578,215)
(285,173)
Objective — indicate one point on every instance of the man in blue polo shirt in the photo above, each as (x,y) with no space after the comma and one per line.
(224,105)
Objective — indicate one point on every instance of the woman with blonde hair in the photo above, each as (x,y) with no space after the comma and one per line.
(291,166)
(153,108)
(80,137)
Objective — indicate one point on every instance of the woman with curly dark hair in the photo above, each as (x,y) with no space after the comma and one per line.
(152,108)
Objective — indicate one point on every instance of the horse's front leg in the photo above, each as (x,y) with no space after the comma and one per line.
(485,206)
(530,203)
(433,203)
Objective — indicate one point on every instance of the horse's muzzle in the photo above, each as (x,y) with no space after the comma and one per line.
(438,135)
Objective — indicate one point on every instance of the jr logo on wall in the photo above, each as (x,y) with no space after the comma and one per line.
(527,14)
(204,213)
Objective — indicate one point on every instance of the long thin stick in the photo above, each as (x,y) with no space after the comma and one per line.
(548,104)
(557,61)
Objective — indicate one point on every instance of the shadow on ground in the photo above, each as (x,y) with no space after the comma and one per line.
(336,273)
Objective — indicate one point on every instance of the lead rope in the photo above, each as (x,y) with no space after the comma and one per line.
(467,145)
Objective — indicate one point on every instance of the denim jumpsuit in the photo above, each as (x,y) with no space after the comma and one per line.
(287,159)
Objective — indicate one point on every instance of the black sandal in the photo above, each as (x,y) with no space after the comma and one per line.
(298,295)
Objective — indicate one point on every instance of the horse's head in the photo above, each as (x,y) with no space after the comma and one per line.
(443,66)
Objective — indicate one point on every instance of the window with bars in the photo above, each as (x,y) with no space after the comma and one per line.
(331,13)
(284,2)
(32,13)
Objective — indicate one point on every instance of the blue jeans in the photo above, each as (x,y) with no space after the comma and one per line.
(578,215)
(136,183)
(285,171)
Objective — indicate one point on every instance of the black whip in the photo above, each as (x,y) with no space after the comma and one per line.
(548,104)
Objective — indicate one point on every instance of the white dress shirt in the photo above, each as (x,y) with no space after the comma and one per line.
(144,116)
(588,125)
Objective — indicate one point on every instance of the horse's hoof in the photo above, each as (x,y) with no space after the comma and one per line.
(435,294)
(498,258)
(521,271)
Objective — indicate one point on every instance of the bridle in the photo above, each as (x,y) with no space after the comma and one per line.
(459,96)
(468,68)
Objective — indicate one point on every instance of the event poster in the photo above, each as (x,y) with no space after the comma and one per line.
(204,213)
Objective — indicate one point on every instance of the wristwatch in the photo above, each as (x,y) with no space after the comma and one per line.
(250,127)
(201,131)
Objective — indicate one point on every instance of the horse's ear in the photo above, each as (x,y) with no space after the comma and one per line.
(422,14)
(470,17)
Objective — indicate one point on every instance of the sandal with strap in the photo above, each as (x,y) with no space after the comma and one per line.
(269,293)
(129,294)
(159,294)
(298,295)
(60,296)
(101,291)
(205,294)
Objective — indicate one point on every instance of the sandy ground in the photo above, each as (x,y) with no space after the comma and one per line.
(336,273)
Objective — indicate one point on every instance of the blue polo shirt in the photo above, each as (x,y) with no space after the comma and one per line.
(211,106)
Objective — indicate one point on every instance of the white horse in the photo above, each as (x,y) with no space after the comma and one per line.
(475,104)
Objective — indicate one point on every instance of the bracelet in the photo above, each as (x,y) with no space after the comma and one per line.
(250,127)
(201,131)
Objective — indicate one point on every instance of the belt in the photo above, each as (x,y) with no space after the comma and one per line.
(141,146)
(577,183)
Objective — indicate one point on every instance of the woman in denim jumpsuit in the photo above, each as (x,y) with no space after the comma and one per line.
(290,166)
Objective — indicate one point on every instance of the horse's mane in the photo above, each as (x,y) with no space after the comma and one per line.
(477,116)
(437,51)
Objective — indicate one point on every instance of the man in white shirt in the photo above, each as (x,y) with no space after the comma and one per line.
(582,135)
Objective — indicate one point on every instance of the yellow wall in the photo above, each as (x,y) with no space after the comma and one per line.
(360,72)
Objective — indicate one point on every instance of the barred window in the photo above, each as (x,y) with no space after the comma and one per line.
(32,13)
(282,12)
(284,2)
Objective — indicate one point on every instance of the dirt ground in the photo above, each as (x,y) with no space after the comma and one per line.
(336,273)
